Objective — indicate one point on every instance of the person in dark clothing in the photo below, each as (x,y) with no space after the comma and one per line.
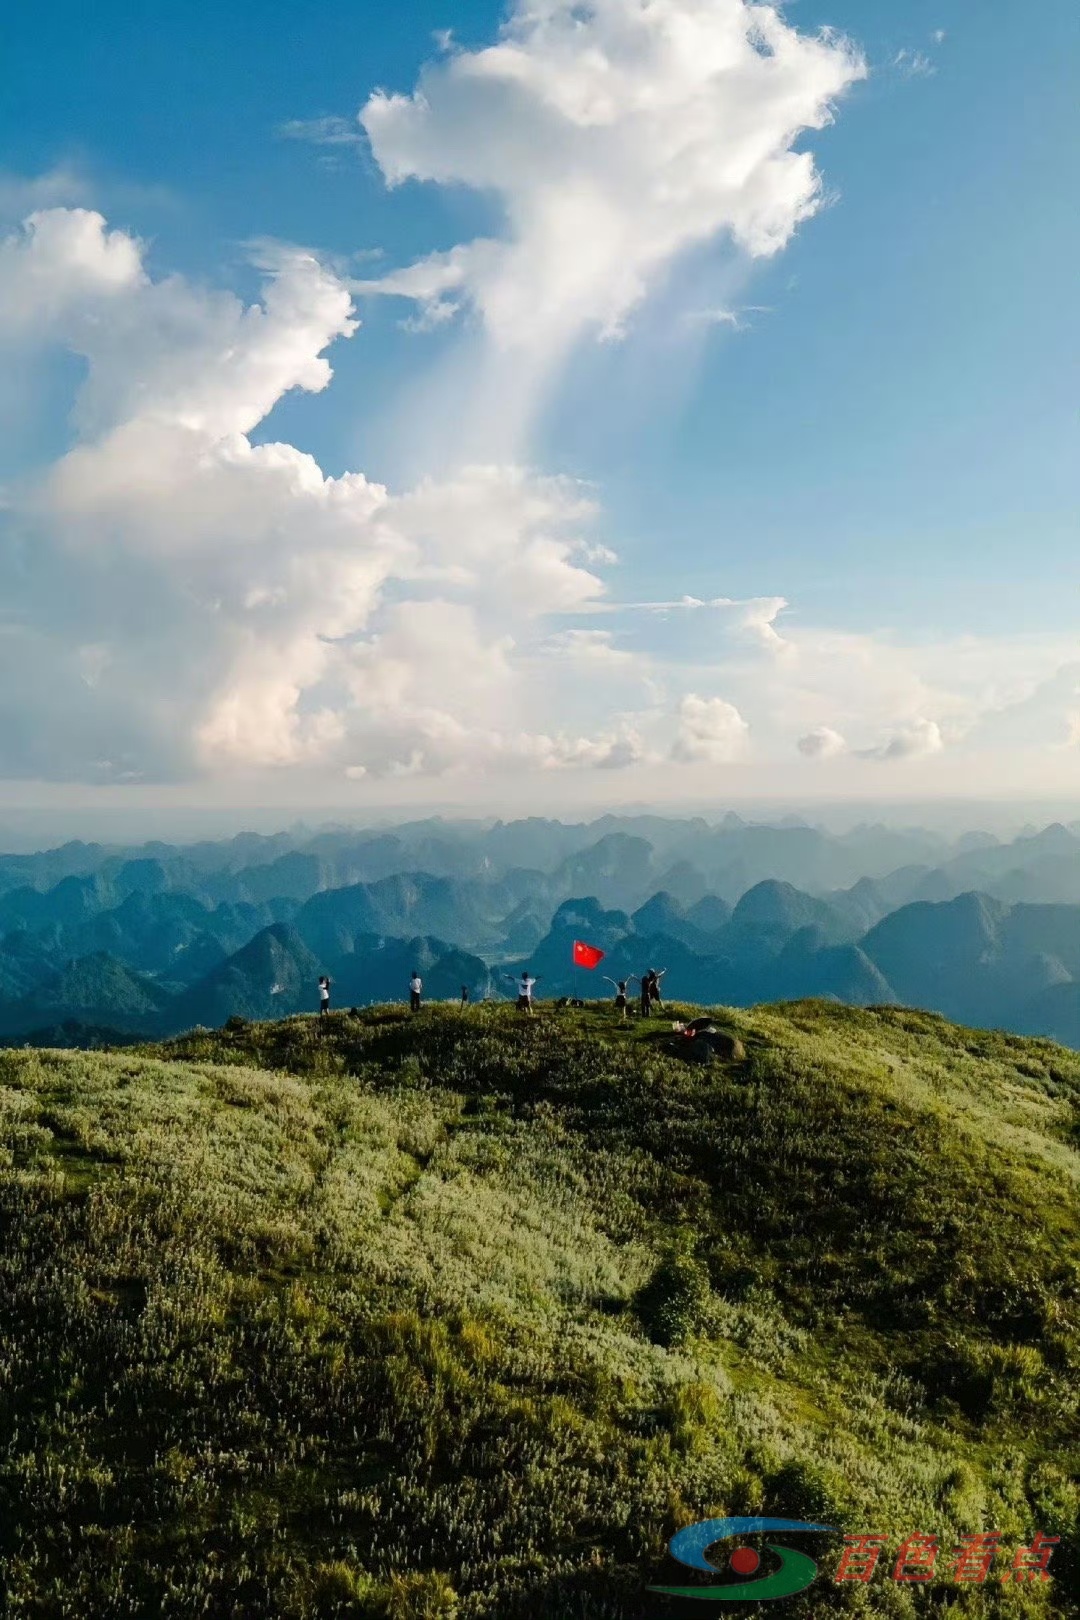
(416,990)
(650,991)
(621,1005)
(464,995)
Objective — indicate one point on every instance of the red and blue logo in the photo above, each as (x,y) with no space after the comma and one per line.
(789,1571)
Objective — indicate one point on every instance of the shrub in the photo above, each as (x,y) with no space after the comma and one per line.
(674,1304)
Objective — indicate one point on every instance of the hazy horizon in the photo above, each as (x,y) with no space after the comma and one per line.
(29,829)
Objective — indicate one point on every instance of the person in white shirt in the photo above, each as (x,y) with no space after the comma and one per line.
(324,995)
(524,992)
(416,990)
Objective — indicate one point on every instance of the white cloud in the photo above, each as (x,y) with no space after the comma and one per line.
(751,619)
(327,131)
(733,318)
(711,731)
(914,64)
(513,540)
(59,266)
(588,649)
(822,743)
(226,605)
(181,601)
(21,195)
(616,134)
(915,740)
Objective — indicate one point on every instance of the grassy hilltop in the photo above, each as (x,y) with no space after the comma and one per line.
(464,1315)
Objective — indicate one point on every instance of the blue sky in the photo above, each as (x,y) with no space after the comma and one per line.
(877,429)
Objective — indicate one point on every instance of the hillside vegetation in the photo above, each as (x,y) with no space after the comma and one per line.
(464,1314)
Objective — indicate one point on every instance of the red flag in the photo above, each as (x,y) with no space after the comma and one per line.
(587,956)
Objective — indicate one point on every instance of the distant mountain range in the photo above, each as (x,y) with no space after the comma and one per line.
(156,939)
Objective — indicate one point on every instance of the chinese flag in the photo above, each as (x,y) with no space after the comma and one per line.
(588,956)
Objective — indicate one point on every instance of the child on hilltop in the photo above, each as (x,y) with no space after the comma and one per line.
(324,995)
(416,991)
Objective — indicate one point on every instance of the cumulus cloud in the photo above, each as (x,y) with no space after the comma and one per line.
(711,731)
(822,743)
(915,740)
(181,600)
(616,134)
(59,266)
(587,649)
(751,619)
(178,600)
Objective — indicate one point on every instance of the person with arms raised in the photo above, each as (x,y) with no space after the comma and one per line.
(524,991)
(620,994)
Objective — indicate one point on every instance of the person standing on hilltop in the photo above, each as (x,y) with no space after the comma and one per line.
(620,995)
(524,992)
(416,991)
(654,987)
(324,995)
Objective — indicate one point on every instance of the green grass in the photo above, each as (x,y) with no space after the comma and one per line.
(464,1314)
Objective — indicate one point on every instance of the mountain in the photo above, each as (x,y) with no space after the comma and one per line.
(379,970)
(618,869)
(467,1313)
(843,973)
(936,956)
(978,959)
(276,974)
(552,958)
(25,960)
(524,928)
(44,868)
(769,914)
(272,975)
(72,900)
(863,905)
(663,914)
(686,894)
(409,903)
(1053,1011)
(95,990)
(710,914)
(685,883)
